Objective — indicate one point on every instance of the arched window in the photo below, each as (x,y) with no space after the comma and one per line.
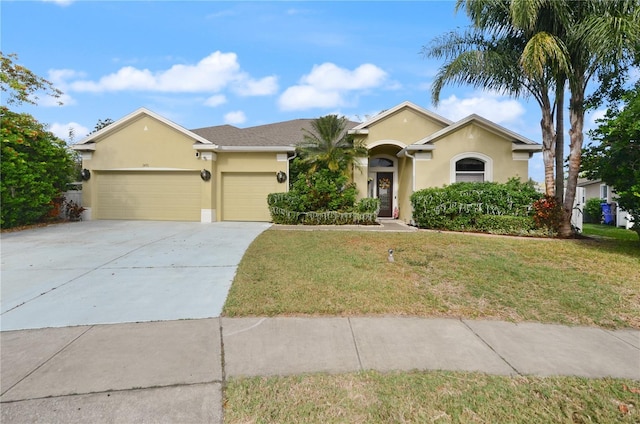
(470,170)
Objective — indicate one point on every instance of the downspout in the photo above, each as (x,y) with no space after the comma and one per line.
(413,169)
(289,159)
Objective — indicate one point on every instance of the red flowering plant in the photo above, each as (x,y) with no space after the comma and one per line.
(547,213)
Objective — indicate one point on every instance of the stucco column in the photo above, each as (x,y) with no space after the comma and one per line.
(208,196)
(360,176)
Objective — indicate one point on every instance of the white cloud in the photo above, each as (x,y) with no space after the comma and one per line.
(501,110)
(212,74)
(60,2)
(50,101)
(235,118)
(262,87)
(62,131)
(215,100)
(328,85)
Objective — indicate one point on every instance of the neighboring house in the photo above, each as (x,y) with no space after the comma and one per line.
(590,189)
(144,166)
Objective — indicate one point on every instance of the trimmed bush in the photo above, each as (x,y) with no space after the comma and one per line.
(284,209)
(593,210)
(505,224)
(464,207)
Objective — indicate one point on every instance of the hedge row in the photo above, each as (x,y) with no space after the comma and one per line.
(281,207)
(483,207)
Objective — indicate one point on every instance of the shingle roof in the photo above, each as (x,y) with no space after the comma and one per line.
(287,133)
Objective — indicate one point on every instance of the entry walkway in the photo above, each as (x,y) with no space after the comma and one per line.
(174,371)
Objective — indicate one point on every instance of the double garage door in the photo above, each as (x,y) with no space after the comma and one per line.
(176,195)
(161,196)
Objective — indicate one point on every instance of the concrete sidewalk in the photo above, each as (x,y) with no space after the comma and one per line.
(174,371)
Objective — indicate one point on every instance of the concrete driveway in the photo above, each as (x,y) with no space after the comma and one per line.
(105,272)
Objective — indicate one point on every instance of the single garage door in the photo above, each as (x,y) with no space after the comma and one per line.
(244,195)
(151,195)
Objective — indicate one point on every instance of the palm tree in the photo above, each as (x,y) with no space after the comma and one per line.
(590,37)
(330,146)
(487,56)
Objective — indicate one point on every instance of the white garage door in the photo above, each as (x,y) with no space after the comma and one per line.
(161,196)
(244,195)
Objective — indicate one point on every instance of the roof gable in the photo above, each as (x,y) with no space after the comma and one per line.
(481,122)
(97,136)
(361,128)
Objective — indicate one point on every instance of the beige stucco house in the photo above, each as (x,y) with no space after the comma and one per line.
(144,166)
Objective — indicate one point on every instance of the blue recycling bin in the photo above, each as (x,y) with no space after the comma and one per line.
(607,214)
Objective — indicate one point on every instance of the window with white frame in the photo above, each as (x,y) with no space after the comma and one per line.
(470,170)
(604,191)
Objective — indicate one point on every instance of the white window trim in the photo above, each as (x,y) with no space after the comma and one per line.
(604,189)
(488,165)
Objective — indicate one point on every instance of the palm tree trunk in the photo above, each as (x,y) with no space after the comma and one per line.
(576,117)
(548,145)
(560,141)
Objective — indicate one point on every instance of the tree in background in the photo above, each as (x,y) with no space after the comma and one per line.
(101,124)
(36,168)
(616,159)
(21,84)
(36,165)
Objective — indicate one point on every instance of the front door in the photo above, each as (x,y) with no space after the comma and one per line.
(384,182)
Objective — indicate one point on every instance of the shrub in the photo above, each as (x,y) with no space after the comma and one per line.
(368,205)
(547,214)
(324,190)
(286,208)
(36,168)
(505,224)
(593,210)
(457,206)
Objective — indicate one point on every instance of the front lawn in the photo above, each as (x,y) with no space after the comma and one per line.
(585,282)
(426,397)
(609,231)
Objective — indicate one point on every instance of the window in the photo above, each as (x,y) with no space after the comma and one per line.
(604,192)
(470,170)
(380,163)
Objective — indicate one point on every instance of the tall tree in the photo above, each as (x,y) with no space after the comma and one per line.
(616,158)
(590,37)
(20,83)
(36,165)
(328,145)
(487,56)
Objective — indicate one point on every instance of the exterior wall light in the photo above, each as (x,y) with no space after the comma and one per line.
(205,175)
(85,174)
(281,177)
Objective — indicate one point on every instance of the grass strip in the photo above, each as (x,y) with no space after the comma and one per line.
(439,397)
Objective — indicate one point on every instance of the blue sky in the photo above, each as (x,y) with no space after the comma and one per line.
(204,63)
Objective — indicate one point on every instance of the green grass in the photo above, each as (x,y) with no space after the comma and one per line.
(609,231)
(345,273)
(441,397)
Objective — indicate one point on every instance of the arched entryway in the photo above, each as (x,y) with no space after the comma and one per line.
(382,183)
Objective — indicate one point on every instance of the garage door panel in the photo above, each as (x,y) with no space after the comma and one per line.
(170,196)
(244,195)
